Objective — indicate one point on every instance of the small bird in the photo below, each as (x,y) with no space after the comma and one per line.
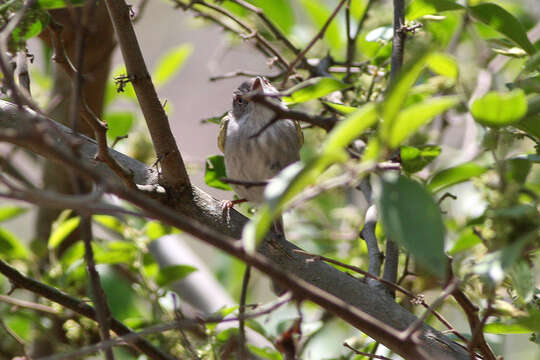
(252,155)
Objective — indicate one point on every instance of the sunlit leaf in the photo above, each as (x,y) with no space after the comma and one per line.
(455,175)
(61,231)
(411,217)
(319,14)
(419,8)
(505,23)
(110,222)
(280,13)
(414,159)
(413,117)
(383,33)
(11,246)
(119,123)
(169,274)
(314,88)
(344,109)
(502,328)
(466,240)
(522,278)
(57,4)
(214,171)
(444,65)
(171,63)
(11,212)
(500,109)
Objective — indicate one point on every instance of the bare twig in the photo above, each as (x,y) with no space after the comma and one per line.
(244,73)
(326,123)
(241,312)
(452,285)
(351,40)
(244,182)
(317,37)
(27,304)
(417,299)
(103,312)
(398,46)
(471,311)
(15,337)
(277,33)
(372,356)
(251,33)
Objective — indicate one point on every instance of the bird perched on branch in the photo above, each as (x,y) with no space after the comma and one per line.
(254,150)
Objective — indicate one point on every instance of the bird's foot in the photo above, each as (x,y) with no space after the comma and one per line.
(226,205)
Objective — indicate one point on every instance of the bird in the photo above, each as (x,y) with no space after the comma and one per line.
(255,145)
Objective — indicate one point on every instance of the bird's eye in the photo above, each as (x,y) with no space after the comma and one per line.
(239,100)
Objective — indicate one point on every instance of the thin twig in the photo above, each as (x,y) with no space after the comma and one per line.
(351,41)
(369,355)
(317,37)
(398,45)
(274,29)
(417,299)
(28,304)
(452,285)
(241,312)
(15,337)
(245,183)
(103,312)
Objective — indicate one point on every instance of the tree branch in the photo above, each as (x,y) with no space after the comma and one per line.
(174,174)
(201,216)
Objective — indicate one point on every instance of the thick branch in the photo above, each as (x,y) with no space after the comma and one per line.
(174,174)
(201,216)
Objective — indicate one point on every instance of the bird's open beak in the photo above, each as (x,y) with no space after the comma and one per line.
(258,84)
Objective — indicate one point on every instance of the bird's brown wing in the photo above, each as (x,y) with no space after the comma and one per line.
(223,132)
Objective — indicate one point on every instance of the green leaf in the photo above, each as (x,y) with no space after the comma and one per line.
(455,175)
(498,109)
(265,353)
(398,91)
(466,240)
(319,14)
(171,63)
(62,230)
(30,30)
(533,63)
(280,12)
(169,274)
(115,252)
(518,169)
(11,246)
(523,280)
(351,128)
(344,109)
(414,159)
(110,222)
(314,88)
(502,328)
(155,230)
(11,212)
(57,4)
(505,23)
(444,65)
(531,125)
(119,123)
(413,117)
(419,8)
(411,217)
(214,171)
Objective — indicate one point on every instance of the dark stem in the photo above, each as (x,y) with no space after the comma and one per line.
(241,311)
(400,35)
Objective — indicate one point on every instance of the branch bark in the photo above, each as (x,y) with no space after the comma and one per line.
(201,216)
(174,174)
